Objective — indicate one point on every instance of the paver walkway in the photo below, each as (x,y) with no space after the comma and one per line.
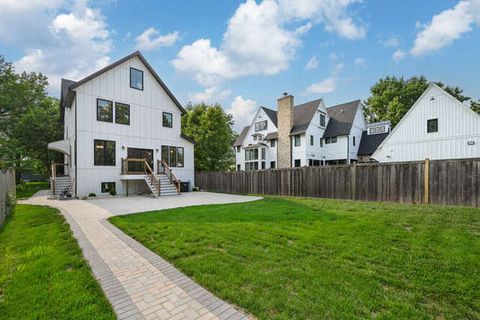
(138,283)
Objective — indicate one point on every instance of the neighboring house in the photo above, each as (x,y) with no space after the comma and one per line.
(304,135)
(371,139)
(122,131)
(438,126)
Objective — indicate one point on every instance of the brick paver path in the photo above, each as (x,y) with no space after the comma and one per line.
(138,283)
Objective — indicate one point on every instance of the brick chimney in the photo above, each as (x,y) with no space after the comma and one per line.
(285,124)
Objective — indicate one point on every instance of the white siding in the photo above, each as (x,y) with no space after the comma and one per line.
(145,129)
(457,125)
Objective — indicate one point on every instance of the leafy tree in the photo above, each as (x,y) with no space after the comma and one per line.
(392,97)
(29,120)
(211,128)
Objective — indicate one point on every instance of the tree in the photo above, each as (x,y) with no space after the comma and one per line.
(29,120)
(392,97)
(211,128)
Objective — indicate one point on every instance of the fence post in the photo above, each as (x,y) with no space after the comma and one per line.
(427,182)
(353,182)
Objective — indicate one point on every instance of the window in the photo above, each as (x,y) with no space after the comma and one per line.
(173,156)
(432,125)
(310,162)
(167,119)
(263,153)
(321,143)
(261,125)
(334,139)
(107,186)
(327,140)
(322,120)
(251,154)
(311,140)
(165,154)
(254,138)
(297,163)
(122,113)
(104,153)
(376,130)
(251,166)
(331,140)
(297,140)
(136,79)
(263,164)
(238,149)
(238,167)
(272,143)
(104,110)
(272,164)
(180,157)
(353,141)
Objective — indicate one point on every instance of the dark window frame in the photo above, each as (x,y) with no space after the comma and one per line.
(273,165)
(178,157)
(297,161)
(311,140)
(272,143)
(323,120)
(143,82)
(95,163)
(163,119)
(106,189)
(297,141)
(432,129)
(116,113)
(353,141)
(259,125)
(111,114)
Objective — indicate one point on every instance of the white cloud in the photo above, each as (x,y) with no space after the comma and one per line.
(312,64)
(325,86)
(151,39)
(399,55)
(210,95)
(242,110)
(359,62)
(77,42)
(391,42)
(446,27)
(333,56)
(261,38)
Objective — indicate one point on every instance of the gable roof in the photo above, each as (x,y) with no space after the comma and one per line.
(241,137)
(370,143)
(341,118)
(272,114)
(68,85)
(302,115)
(432,84)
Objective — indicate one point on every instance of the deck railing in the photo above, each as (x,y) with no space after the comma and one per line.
(146,170)
(58,170)
(162,167)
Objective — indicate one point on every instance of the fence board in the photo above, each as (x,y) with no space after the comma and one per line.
(7,185)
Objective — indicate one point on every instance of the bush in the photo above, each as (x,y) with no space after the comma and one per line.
(113,192)
(92,194)
(9,203)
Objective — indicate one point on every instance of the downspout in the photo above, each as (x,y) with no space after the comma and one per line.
(348,149)
(76,175)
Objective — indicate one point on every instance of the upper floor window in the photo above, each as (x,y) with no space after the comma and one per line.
(432,125)
(322,120)
(272,143)
(104,110)
(254,138)
(261,125)
(104,153)
(376,130)
(321,143)
(311,140)
(263,154)
(353,141)
(122,113)
(251,154)
(331,140)
(238,149)
(296,140)
(167,120)
(136,79)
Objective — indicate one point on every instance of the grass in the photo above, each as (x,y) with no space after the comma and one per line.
(286,258)
(42,272)
(28,189)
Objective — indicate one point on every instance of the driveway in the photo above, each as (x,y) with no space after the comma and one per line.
(138,283)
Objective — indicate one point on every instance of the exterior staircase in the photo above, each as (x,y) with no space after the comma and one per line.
(59,184)
(166,188)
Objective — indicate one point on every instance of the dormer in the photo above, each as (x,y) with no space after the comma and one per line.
(378,127)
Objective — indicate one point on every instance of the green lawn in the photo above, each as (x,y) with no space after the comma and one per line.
(28,189)
(42,272)
(286,258)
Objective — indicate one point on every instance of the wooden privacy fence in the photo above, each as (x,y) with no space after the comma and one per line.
(7,186)
(445,182)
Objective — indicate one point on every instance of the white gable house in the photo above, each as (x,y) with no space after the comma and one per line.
(304,135)
(438,126)
(122,131)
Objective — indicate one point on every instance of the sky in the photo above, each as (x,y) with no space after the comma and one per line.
(245,54)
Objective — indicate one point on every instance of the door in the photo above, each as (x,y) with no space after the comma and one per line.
(135,153)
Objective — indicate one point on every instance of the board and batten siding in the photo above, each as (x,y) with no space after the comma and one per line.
(458,133)
(145,130)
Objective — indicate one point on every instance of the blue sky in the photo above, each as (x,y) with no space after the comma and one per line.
(244,54)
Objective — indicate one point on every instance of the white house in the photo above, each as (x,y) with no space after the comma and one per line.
(438,126)
(304,135)
(122,131)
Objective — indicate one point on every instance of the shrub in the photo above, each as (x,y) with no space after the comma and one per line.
(113,192)
(9,203)
(92,194)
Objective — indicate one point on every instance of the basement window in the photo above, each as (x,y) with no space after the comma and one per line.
(432,125)
(107,186)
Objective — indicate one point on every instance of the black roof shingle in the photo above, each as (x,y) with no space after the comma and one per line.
(370,143)
(341,118)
